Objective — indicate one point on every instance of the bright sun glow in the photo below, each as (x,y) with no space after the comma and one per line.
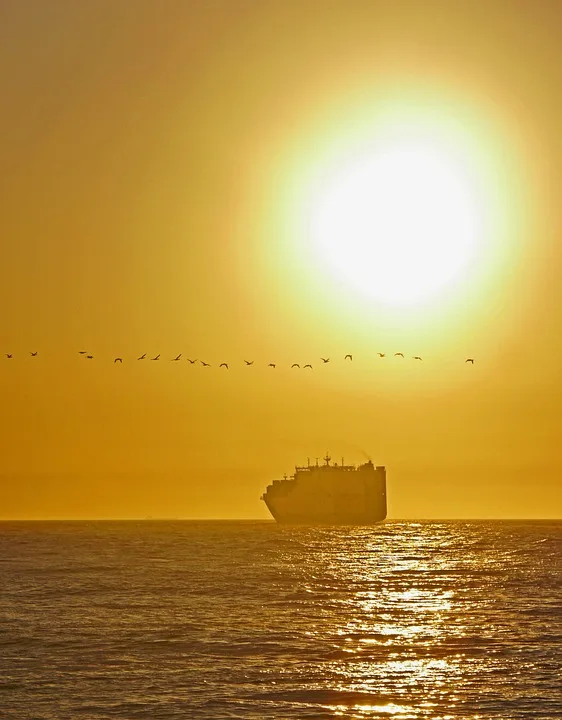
(401,222)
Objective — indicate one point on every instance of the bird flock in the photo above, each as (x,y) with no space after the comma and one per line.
(86,355)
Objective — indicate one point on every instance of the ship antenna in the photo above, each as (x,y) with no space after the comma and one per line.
(317,462)
(327,458)
(308,462)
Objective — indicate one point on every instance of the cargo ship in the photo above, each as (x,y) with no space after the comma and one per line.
(329,494)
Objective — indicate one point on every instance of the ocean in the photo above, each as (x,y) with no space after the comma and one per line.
(184,619)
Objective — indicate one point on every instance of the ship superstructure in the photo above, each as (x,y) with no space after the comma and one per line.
(336,494)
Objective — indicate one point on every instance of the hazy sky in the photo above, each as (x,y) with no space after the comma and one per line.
(152,157)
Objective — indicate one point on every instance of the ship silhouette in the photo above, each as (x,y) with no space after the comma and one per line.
(329,494)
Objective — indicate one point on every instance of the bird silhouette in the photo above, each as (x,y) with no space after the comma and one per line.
(295,365)
(307,366)
(192,361)
(325,360)
(142,357)
(224,365)
(249,362)
(176,358)
(33,354)
(118,360)
(470,360)
(89,357)
(381,354)
(399,354)
(9,356)
(348,356)
(82,352)
(416,357)
(156,357)
(272,365)
(205,364)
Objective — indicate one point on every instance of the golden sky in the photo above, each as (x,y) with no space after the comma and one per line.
(157,161)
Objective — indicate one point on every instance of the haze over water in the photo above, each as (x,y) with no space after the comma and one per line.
(167,620)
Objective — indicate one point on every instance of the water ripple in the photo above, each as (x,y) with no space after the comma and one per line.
(252,620)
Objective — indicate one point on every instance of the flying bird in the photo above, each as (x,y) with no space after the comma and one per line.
(295,365)
(325,360)
(224,365)
(205,364)
(308,365)
(399,355)
(249,362)
(89,357)
(142,357)
(381,354)
(176,358)
(118,360)
(82,352)
(470,360)
(272,365)
(156,357)
(33,354)
(416,357)
(192,361)
(9,356)
(348,356)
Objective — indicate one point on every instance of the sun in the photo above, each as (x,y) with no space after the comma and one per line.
(401,220)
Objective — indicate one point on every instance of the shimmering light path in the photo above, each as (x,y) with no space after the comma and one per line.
(254,620)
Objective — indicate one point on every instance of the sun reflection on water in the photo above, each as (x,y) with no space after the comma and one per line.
(399,712)
(400,623)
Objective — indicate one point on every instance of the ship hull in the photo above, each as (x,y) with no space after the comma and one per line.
(327,516)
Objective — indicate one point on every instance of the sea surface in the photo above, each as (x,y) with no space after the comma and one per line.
(161,619)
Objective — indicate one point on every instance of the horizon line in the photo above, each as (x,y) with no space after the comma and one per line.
(272,521)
